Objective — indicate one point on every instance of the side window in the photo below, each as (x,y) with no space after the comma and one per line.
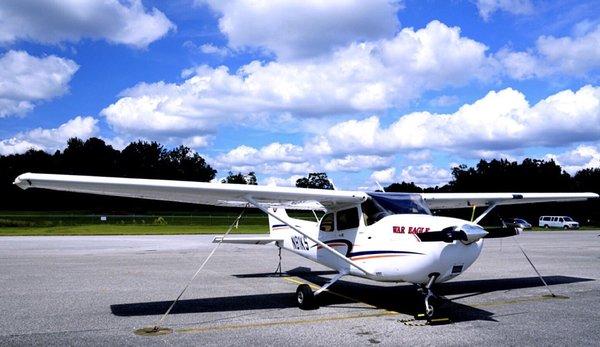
(347,219)
(327,223)
(561,219)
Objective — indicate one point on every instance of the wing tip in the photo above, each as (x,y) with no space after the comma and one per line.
(23,181)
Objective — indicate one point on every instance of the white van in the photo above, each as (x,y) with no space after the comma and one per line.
(564,222)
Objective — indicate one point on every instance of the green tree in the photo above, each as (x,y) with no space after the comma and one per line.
(240,178)
(404,187)
(588,180)
(316,180)
(90,157)
(186,164)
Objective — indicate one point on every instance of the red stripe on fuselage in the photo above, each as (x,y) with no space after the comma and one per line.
(364,257)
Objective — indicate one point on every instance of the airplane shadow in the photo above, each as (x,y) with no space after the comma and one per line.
(402,298)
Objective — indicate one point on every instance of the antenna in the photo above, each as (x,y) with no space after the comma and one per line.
(333,184)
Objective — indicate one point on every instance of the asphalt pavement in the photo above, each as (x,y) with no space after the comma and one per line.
(99,290)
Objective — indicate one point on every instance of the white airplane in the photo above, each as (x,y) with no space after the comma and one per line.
(386,237)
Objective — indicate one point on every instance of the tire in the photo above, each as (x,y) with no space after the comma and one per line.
(566,227)
(546,226)
(305,297)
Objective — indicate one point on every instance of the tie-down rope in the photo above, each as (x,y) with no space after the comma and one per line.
(534,268)
(235,223)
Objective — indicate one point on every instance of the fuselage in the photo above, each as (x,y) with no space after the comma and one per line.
(389,249)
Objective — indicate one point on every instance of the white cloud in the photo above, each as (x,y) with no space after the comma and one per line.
(422,155)
(50,139)
(48,21)
(206,48)
(572,54)
(281,182)
(444,100)
(209,48)
(239,156)
(26,80)
(356,163)
(521,65)
(274,159)
(582,157)
(491,154)
(384,176)
(488,7)
(424,175)
(370,76)
(567,55)
(501,120)
(304,28)
(197,141)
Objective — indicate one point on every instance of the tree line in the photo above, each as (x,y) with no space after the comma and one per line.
(143,159)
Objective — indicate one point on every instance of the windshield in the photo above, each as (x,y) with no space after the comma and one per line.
(568,219)
(400,203)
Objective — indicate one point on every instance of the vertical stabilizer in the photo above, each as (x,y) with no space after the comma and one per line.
(275,225)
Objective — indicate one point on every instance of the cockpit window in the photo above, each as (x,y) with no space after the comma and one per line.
(347,219)
(384,204)
(327,222)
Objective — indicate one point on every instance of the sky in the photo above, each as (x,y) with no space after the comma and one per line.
(367,91)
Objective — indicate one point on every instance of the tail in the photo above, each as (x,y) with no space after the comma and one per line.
(276,227)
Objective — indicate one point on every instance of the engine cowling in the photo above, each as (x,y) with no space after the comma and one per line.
(466,233)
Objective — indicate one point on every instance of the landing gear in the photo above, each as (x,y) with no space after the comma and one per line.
(305,297)
(428,296)
(278,270)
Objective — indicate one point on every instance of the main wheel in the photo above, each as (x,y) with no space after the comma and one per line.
(305,297)
(546,226)
(566,227)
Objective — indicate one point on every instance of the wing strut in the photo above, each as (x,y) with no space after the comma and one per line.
(333,251)
(485,213)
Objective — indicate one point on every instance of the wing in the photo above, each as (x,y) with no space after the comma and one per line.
(217,194)
(457,200)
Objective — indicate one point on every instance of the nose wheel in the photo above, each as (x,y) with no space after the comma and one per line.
(428,295)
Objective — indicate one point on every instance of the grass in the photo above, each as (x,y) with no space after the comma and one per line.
(35,223)
(108,229)
(23,223)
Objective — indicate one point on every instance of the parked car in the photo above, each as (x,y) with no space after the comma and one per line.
(517,223)
(564,222)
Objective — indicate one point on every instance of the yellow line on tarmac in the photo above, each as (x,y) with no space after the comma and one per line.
(282,322)
(381,313)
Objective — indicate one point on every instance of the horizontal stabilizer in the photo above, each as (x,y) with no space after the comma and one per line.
(248,240)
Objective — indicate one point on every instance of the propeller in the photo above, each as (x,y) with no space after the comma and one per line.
(467,233)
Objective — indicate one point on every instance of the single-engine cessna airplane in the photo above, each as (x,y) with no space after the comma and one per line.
(387,237)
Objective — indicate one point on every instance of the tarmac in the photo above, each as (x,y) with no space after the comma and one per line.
(98,290)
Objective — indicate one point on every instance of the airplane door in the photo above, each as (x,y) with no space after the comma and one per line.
(338,230)
(327,228)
